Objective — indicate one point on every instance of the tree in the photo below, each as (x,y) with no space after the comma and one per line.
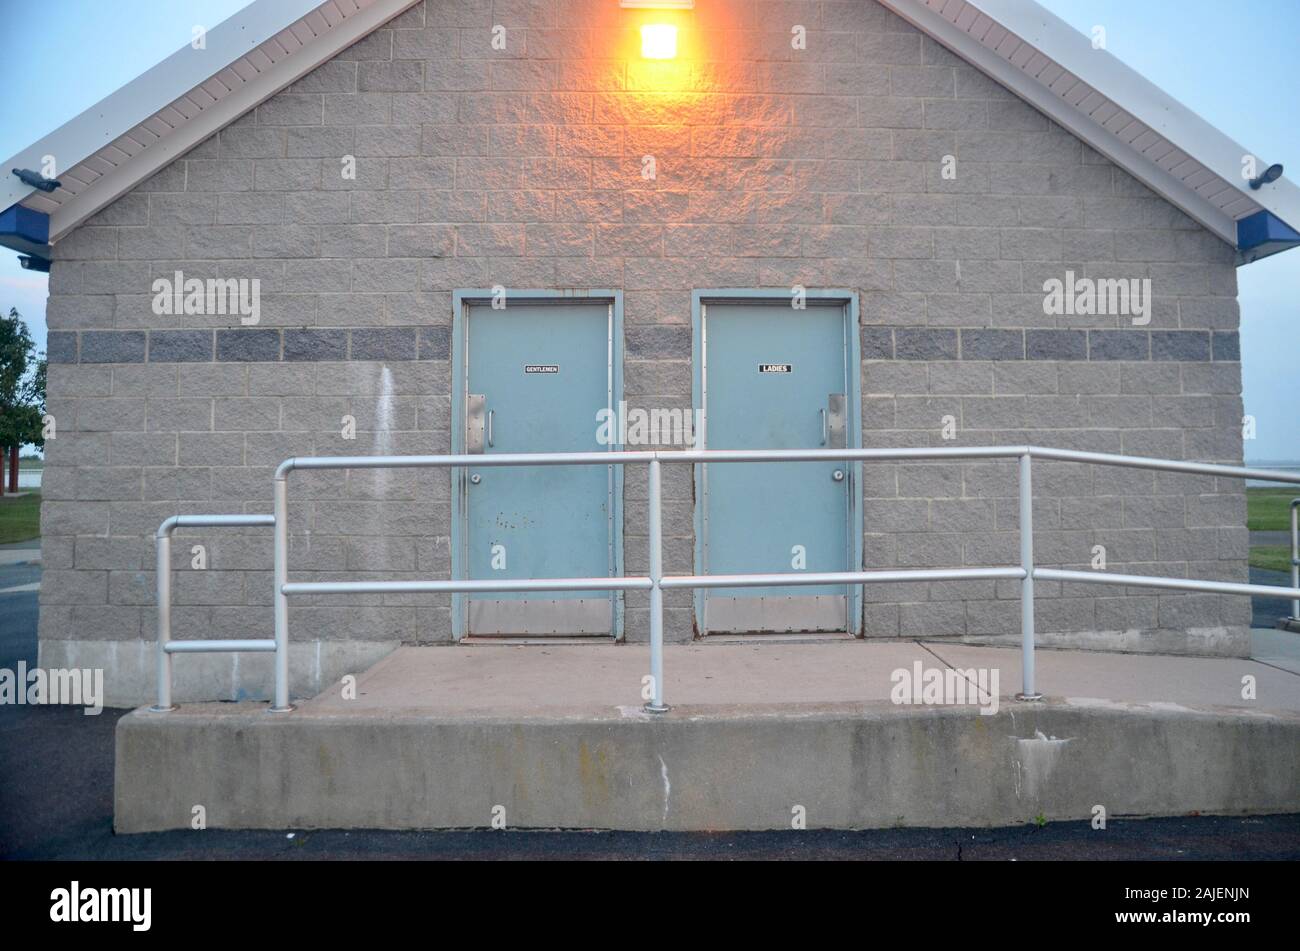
(22,393)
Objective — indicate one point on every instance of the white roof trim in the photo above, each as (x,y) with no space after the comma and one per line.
(155,118)
(149,122)
(1114,109)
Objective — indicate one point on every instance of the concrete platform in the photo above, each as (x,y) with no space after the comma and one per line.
(553,736)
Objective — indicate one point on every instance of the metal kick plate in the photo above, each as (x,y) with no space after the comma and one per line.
(475,417)
(778,614)
(533,616)
(837,421)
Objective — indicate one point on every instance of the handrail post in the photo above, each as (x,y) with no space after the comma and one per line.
(163,567)
(1027,691)
(281,602)
(656,704)
(1295,555)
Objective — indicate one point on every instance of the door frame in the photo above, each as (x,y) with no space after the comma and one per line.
(848,299)
(461,301)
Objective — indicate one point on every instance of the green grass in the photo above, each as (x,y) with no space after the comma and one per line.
(20,518)
(1272,557)
(1269,510)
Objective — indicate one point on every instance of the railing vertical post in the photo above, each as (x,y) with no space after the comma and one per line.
(1295,554)
(163,567)
(1027,691)
(281,602)
(654,482)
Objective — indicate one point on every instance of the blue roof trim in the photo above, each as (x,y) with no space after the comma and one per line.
(25,230)
(32,225)
(1263,233)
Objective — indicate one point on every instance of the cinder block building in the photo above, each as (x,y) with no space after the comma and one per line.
(384,226)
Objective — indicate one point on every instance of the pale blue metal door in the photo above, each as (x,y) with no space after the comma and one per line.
(775,377)
(536,376)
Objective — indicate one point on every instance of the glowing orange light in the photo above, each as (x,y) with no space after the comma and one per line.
(659,41)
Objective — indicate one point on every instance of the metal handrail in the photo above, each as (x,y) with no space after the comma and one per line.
(655,582)
(163,567)
(1295,557)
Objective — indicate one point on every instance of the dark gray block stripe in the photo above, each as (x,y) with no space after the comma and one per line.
(307,345)
(252,345)
(269,345)
(112,346)
(924,343)
(180,346)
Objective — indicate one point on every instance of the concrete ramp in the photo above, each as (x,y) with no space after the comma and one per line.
(760,737)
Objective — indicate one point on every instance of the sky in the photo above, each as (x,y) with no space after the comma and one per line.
(1231,61)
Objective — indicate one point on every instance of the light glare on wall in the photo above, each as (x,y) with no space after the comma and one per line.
(658,41)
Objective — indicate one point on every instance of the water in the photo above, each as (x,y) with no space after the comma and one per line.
(29,477)
(1291,468)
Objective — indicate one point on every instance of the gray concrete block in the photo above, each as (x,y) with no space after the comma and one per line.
(1118,345)
(1186,345)
(315,344)
(1056,344)
(671,342)
(992,344)
(244,346)
(1226,345)
(180,346)
(925,344)
(61,347)
(112,346)
(387,343)
(435,343)
(111,415)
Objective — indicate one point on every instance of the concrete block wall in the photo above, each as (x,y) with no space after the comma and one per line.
(523,167)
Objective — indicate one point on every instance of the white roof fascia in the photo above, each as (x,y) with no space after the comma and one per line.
(1073,52)
(1146,101)
(263,20)
(171,79)
(152,90)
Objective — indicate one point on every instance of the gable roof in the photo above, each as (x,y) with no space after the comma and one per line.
(1140,128)
(152,120)
(115,145)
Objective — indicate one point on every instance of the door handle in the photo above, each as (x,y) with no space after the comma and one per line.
(824,428)
(489,428)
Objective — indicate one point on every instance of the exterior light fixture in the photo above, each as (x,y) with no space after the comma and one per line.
(658,41)
(36,180)
(1270,174)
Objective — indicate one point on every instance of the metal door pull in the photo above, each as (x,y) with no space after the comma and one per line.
(835,422)
(474,422)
